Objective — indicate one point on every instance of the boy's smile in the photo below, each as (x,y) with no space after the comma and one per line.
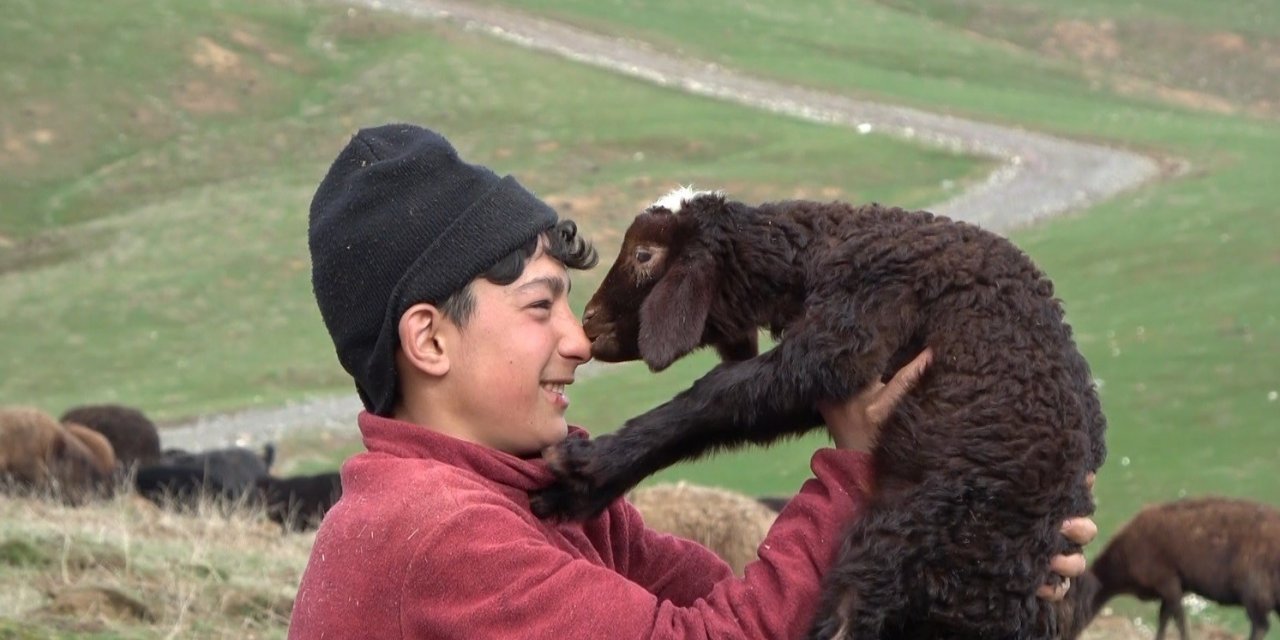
(556,392)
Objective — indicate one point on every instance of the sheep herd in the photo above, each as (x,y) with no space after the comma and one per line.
(95,451)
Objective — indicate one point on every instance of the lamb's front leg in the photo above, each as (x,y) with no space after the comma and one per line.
(734,403)
(757,401)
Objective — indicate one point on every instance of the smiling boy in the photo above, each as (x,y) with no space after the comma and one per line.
(445,290)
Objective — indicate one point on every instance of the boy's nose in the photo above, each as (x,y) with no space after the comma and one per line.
(574,344)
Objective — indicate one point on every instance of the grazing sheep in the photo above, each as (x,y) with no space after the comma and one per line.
(976,470)
(103,458)
(37,453)
(730,524)
(182,478)
(299,503)
(1223,549)
(132,435)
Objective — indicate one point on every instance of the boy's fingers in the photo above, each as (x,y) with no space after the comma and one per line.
(903,381)
(1071,566)
(1090,479)
(1052,593)
(1080,530)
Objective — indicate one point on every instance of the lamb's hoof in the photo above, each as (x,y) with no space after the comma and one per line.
(576,494)
(560,502)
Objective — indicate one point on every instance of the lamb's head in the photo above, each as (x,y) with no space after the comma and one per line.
(654,301)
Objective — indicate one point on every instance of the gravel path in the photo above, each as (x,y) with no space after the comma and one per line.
(1043,174)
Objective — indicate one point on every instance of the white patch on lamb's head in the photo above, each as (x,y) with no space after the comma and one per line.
(680,195)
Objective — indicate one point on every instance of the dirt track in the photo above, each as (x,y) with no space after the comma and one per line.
(1044,174)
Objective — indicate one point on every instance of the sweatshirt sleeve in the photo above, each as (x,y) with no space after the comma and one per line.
(515,584)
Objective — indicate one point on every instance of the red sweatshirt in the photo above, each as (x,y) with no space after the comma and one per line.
(433,538)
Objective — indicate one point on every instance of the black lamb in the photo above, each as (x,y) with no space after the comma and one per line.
(976,470)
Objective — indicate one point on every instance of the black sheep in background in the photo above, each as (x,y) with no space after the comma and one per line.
(298,503)
(183,478)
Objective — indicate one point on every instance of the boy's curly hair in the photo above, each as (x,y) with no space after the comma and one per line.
(562,243)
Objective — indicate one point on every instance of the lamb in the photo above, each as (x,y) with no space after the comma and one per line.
(299,503)
(976,470)
(132,434)
(728,523)
(37,453)
(1224,549)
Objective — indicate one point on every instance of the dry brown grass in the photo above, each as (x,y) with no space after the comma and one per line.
(125,568)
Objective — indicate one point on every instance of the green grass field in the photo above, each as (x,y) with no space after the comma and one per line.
(168,268)
(157,159)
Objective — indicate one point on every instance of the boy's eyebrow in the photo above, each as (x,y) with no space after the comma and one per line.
(557,285)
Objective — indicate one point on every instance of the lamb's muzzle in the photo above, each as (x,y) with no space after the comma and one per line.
(603,334)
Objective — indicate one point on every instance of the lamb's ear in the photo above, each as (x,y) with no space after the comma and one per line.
(674,315)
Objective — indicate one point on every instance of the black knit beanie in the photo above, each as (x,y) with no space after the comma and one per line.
(401,219)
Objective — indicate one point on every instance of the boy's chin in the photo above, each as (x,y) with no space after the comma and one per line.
(555,434)
(548,437)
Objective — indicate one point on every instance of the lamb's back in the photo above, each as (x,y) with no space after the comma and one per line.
(1216,545)
(1006,364)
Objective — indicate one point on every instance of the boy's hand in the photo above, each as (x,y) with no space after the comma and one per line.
(1080,531)
(855,423)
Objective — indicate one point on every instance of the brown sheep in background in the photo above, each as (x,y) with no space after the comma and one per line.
(730,524)
(1226,550)
(104,460)
(38,453)
(132,434)
(975,471)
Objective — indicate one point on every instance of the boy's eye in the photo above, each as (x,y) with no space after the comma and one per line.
(541,304)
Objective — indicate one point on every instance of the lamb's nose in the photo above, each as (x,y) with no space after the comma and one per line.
(588,314)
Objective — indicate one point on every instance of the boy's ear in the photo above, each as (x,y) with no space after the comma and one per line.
(423,343)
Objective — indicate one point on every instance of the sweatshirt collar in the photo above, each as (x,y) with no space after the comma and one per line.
(406,440)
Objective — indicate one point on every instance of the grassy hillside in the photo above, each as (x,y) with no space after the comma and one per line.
(153,208)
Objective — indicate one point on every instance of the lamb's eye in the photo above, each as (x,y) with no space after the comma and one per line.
(643,256)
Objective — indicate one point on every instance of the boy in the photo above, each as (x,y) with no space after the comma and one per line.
(445,290)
